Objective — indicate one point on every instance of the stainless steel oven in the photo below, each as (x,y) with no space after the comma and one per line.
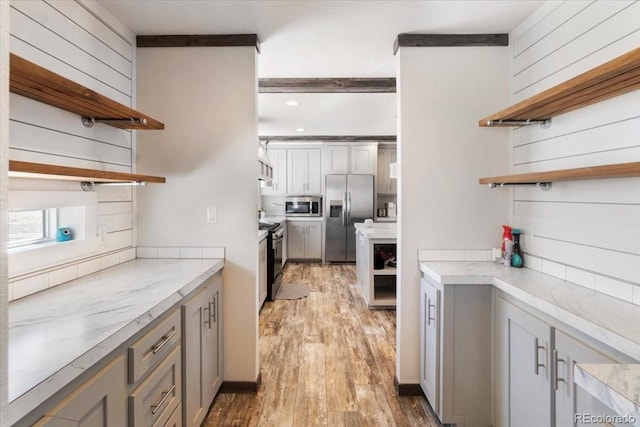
(303,206)
(275,240)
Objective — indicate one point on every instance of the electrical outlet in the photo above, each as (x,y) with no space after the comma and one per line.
(212,215)
(102,232)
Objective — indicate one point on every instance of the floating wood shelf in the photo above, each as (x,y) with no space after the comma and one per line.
(621,170)
(35,82)
(610,79)
(42,171)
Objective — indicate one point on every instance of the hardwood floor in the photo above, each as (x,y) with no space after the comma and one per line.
(326,360)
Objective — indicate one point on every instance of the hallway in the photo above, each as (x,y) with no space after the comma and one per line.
(326,360)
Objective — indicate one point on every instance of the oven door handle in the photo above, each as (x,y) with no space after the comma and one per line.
(277,241)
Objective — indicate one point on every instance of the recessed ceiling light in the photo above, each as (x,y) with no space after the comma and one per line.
(300,130)
(292,103)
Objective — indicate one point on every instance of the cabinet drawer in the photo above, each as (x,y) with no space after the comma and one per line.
(176,418)
(153,402)
(149,350)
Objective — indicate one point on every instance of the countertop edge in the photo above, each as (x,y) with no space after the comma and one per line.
(30,400)
(587,376)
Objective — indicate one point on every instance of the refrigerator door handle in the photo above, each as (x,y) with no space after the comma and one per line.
(348,207)
(344,208)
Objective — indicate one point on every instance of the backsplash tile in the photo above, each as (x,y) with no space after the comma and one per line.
(477,255)
(29,286)
(636,294)
(554,269)
(109,261)
(581,277)
(127,255)
(10,292)
(88,267)
(614,288)
(191,253)
(452,255)
(168,252)
(146,252)
(62,275)
(213,253)
(533,262)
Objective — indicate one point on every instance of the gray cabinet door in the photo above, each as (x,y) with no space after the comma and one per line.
(430,344)
(295,239)
(570,399)
(523,342)
(313,241)
(100,402)
(202,356)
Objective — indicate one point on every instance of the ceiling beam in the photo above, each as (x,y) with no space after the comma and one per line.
(328,85)
(449,40)
(329,138)
(199,40)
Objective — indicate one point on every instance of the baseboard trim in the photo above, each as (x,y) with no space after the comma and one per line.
(407,389)
(241,386)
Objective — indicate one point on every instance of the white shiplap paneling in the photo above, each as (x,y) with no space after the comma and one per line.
(588,231)
(78,40)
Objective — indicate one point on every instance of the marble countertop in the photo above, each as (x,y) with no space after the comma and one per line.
(274,218)
(262,234)
(379,230)
(57,334)
(617,326)
(616,385)
(305,218)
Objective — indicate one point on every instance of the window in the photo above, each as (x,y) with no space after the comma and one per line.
(31,226)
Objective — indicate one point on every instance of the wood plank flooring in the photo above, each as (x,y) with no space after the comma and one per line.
(326,360)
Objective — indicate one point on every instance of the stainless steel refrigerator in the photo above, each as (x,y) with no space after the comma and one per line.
(348,199)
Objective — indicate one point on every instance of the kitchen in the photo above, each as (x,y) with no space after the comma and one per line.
(583,233)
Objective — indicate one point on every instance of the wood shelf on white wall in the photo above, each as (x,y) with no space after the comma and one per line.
(613,78)
(38,83)
(621,170)
(18,169)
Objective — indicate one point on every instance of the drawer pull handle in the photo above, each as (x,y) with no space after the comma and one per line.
(165,396)
(165,340)
(429,318)
(538,365)
(207,320)
(213,309)
(557,359)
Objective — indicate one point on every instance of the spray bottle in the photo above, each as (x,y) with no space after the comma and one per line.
(516,257)
(507,245)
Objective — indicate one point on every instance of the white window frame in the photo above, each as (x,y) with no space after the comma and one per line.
(49,227)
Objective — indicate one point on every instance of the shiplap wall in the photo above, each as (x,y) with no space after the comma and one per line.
(79,40)
(587,232)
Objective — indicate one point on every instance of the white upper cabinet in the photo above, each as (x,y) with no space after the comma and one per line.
(303,171)
(386,185)
(350,158)
(278,159)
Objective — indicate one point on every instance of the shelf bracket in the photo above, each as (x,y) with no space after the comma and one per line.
(88,122)
(90,185)
(544,186)
(544,123)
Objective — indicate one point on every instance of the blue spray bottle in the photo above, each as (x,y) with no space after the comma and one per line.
(516,257)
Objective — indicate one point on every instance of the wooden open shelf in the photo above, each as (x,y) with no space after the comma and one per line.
(621,170)
(610,79)
(42,171)
(35,82)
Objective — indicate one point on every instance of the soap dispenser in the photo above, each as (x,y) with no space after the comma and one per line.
(516,257)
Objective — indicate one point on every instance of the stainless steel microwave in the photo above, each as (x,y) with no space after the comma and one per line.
(303,206)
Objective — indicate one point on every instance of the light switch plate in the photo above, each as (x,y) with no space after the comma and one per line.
(212,215)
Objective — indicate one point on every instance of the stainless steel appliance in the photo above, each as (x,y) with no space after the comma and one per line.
(274,257)
(348,199)
(303,206)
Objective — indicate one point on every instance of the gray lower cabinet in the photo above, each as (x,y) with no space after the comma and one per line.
(523,368)
(304,239)
(99,402)
(202,351)
(535,362)
(456,350)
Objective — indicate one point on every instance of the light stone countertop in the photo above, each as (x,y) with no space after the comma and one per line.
(55,335)
(609,320)
(262,234)
(379,230)
(616,385)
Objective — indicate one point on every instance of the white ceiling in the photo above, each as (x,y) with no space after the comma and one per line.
(337,38)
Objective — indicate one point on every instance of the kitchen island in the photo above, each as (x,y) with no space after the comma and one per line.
(375,268)
(59,337)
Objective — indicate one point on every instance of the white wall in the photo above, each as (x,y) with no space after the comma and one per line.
(442,93)
(587,232)
(4,143)
(207,98)
(81,41)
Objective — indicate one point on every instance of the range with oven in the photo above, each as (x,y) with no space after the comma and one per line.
(275,240)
